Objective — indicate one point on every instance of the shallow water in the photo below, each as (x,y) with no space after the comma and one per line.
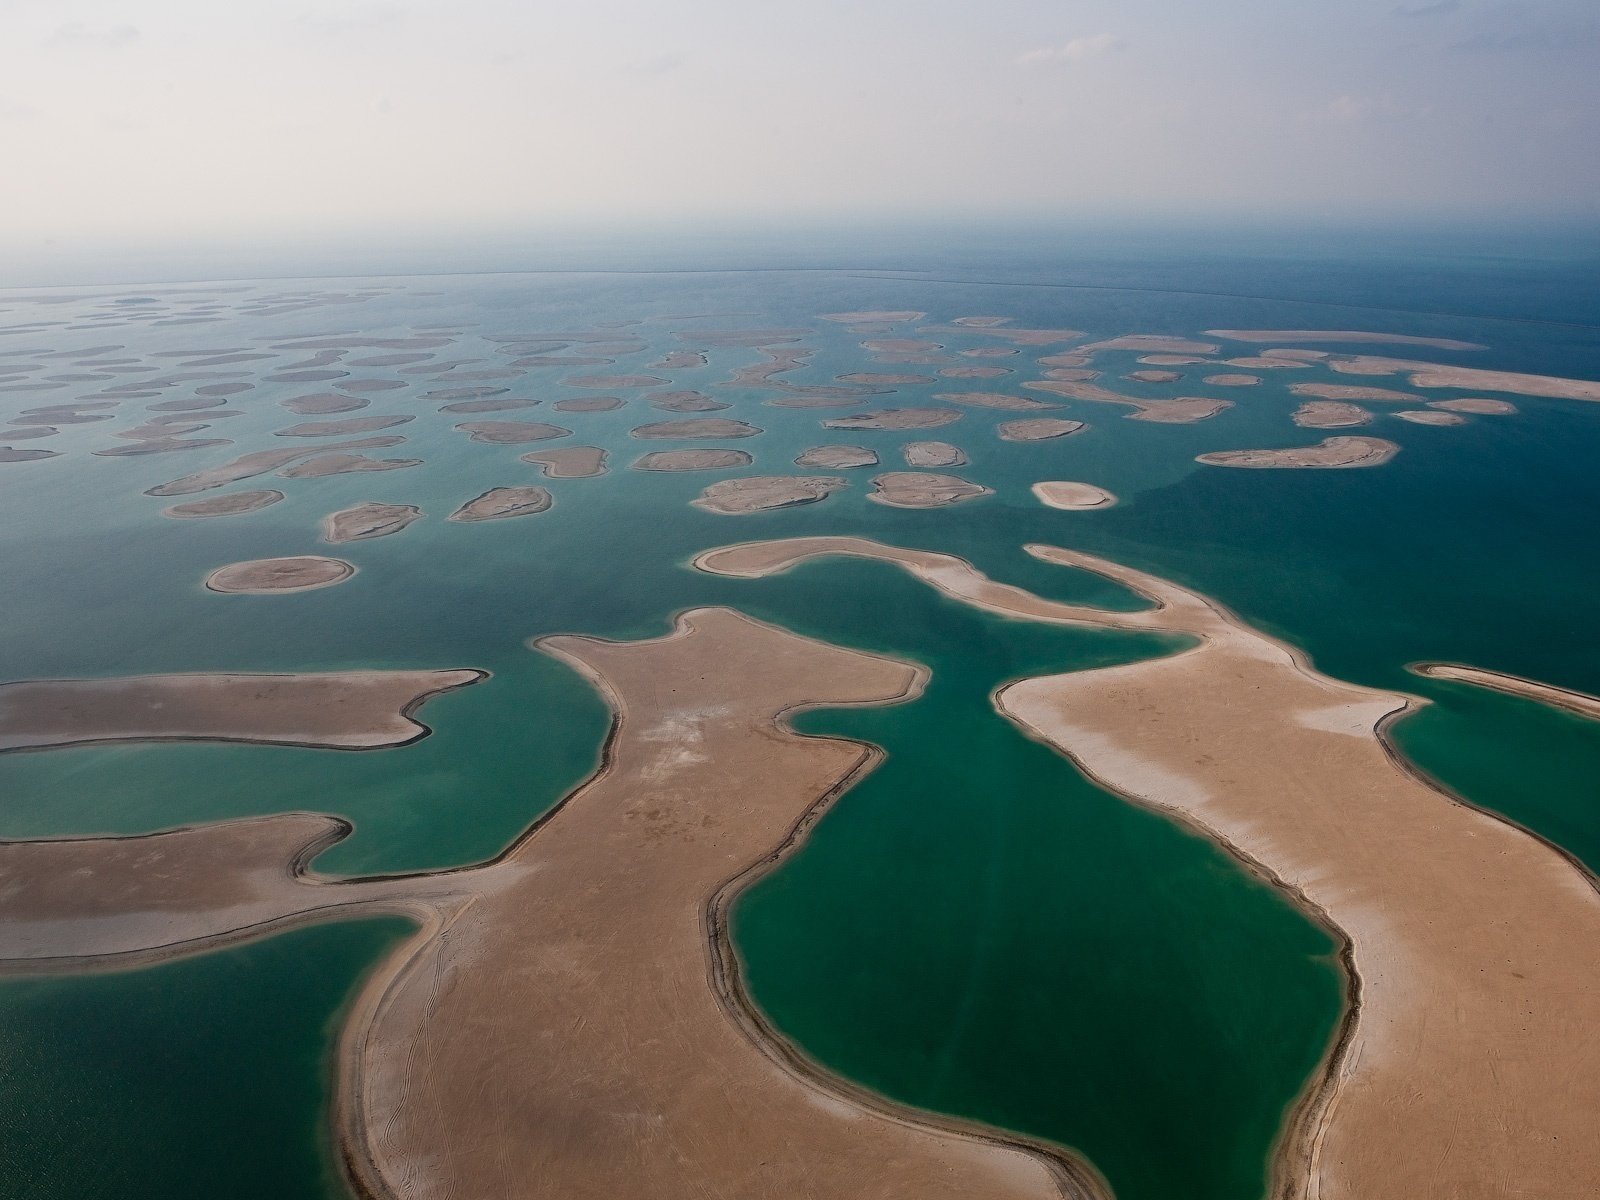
(975,928)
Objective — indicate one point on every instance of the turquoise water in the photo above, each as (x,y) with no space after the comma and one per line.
(974,929)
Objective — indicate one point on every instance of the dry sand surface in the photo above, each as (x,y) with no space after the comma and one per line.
(1329,452)
(569,462)
(1330,414)
(1430,416)
(229,505)
(1581,703)
(1345,391)
(756,493)
(1037,429)
(501,502)
(268,576)
(896,418)
(691,460)
(1467,1065)
(1435,375)
(1339,335)
(696,427)
(344,710)
(370,520)
(1476,405)
(918,489)
(1056,493)
(838,458)
(933,454)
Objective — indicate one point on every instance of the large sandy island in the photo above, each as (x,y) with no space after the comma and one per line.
(920,489)
(1467,1065)
(1330,414)
(230,504)
(1060,493)
(370,520)
(1436,375)
(1340,335)
(691,460)
(1182,411)
(499,503)
(933,454)
(1345,391)
(1038,429)
(757,493)
(896,418)
(697,427)
(342,710)
(1000,400)
(569,462)
(1329,452)
(837,457)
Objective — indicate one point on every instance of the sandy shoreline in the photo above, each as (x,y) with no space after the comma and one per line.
(1580,703)
(1443,906)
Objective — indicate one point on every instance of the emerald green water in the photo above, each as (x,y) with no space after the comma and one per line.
(203,1077)
(974,929)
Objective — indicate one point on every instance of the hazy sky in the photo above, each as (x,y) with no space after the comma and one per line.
(222,117)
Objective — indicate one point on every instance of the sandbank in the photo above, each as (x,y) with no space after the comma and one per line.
(1580,703)
(838,458)
(268,576)
(161,445)
(10,454)
(696,427)
(1340,335)
(1330,414)
(933,454)
(1438,902)
(569,462)
(918,489)
(511,433)
(1429,416)
(691,460)
(757,493)
(341,710)
(1331,452)
(1058,493)
(896,418)
(369,520)
(501,502)
(1038,429)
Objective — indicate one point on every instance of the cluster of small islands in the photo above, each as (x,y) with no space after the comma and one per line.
(597,1039)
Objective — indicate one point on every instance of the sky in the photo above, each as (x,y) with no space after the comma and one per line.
(160,119)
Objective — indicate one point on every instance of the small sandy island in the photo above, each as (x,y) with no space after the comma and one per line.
(997,400)
(10,454)
(838,458)
(493,404)
(229,505)
(685,401)
(512,433)
(1038,429)
(1345,391)
(259,462)
(501,502)
(590,404)
(875,317)
(917,489)
(339,710)
(1155,376)
(369,520)
(347,426)
(1340,335)
(896,418)
(324,402)
(691,460)
(1145,343)
(1330,452)
(885,379)
(1479,406)
(1228,379)
(1057,493)
(959,372)
(569,462)
(615,381)
(345,464)
(696,427)
(268,576)
(1581,703)
(1330,414)
(933,454)
(756,493)
(1430,416)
